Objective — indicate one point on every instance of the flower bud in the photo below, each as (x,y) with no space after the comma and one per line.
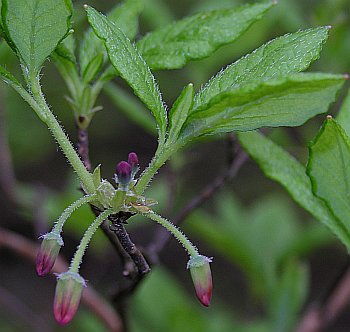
(48,252)
(123,172)
(201,277)
(67,297)
(133,161)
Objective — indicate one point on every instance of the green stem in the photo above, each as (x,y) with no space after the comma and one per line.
(69,210)
(181,237)
(160,157)
(78,256)
(45,114)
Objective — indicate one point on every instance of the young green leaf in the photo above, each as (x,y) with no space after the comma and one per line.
(198,36)
(282,56)
(179,112)
(35,28)
(63,50)
(8,78)
(343,117)
(93,68)
(329,169)
(279,165)
(131,66)
(65,62)
(288,101)
(125,16)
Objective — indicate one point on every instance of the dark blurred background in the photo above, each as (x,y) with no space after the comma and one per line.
(259,238)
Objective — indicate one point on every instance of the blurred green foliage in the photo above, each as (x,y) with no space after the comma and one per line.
(262,235)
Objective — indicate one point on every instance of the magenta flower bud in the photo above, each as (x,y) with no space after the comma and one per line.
(133,161)
(201,277)
(67,297)
(48,252)
(123,172)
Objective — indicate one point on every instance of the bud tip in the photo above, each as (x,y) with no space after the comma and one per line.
(201,277)
(48,252)
(67,296)
(123,172)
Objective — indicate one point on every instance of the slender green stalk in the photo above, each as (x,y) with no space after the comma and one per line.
(40,107)
(161,156)
(181,237)
(78,256)
(28,98)
(57,229)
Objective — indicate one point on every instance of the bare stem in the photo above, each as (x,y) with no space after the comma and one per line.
(83,147)
(124,239)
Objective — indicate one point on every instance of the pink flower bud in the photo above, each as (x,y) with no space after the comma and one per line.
(67,297)
(123,172)
(133,161)
(201,277)
(48,252)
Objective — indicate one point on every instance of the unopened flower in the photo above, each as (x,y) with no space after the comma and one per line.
(133,161)
(48,253)
(67,297)
(123,174)
(201,277)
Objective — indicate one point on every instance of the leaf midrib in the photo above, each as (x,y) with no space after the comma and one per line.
(32,36)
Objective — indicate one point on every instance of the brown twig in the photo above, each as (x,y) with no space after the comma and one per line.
(118,228)
(130,256)
(135,266)
(113,239)
(90,297)
(83,147)
(320,316)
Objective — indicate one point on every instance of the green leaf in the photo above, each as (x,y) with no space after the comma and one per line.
(125,16)
(8,78)
(329,170)
(63,50)
(35,28)
(343,117)
(288,101)
(282,56)
(96,176)
(198,36)
(65,61)
(179,112)
(288,296)
(131,66)
(93,68)
(279,165)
